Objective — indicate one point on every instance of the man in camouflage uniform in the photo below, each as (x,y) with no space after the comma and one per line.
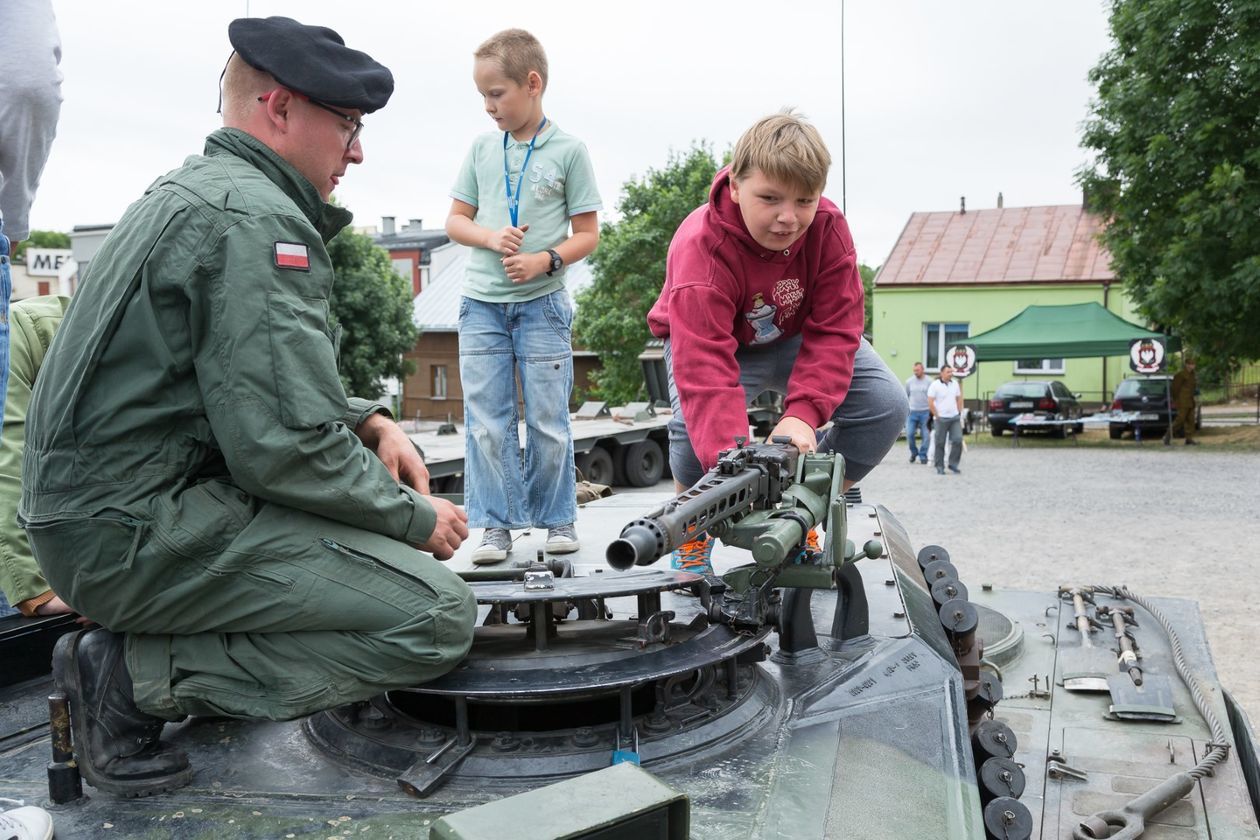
(196,480)
(1184,385)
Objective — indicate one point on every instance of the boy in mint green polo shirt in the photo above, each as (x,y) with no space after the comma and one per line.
(520,191)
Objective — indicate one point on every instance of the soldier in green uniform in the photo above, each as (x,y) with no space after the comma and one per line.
(195,478)
(1184,385)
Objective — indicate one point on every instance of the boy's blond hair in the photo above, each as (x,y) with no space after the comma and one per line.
(517,52)
(785,148)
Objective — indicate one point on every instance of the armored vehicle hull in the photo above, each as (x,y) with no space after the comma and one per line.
(831,727)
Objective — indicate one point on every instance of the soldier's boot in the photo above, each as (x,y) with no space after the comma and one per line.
(116,744)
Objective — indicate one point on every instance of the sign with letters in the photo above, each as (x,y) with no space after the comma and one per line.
(1146,355)
(962,358)
(46,262)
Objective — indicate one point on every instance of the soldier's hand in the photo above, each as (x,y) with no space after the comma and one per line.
(396,451)
(450,531)
(801,433)
(507,241)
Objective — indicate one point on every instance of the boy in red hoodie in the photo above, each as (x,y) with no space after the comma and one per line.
(762,293)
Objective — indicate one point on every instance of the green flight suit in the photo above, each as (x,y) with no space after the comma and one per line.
(1184,384)
(33,323)
(192,477)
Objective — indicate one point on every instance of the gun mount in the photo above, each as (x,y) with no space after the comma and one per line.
(761,497)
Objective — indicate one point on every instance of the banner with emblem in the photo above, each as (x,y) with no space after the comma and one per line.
(1146,355)
(962,358)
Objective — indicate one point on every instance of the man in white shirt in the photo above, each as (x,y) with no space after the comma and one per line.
(945,402)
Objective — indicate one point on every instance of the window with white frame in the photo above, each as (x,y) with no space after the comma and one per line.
(1039,366)
(939,337)
(439,381)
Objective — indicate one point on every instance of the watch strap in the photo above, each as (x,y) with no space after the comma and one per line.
(556,261)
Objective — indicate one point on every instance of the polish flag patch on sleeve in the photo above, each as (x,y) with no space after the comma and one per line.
(292,255)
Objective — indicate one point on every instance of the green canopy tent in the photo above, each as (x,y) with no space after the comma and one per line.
(1071,331)
(1062,332)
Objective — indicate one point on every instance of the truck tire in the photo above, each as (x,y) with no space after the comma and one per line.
(596,465)
(1115,432)
(644,463)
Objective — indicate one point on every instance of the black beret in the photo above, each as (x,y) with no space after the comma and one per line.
(312,60)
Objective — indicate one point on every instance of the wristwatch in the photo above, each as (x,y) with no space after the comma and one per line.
(556,262)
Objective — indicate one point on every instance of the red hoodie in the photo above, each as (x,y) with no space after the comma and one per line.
(724,291)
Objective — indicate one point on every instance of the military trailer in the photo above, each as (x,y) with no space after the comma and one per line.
(622,446)
(860,690)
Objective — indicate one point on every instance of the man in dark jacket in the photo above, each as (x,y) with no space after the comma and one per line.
(195,478)
(1184,386)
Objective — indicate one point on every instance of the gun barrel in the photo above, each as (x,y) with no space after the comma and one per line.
(745,479)
(641,543)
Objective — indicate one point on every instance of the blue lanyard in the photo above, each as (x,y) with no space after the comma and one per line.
(514,201)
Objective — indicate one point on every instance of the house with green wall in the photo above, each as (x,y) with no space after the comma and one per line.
(956,274)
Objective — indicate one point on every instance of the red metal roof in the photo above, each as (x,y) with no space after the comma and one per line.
(1056,244)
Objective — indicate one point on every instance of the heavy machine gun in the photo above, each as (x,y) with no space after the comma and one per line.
(765,498)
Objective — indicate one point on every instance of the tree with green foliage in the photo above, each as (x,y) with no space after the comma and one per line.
(1177,168)
(868,287)
(629,268)
(372,304)
(41,239)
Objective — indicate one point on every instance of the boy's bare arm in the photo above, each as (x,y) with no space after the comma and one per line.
(461,227)
(584,239)
(525,267)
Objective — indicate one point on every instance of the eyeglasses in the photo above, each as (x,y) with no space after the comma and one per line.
(357,124)
(354,121)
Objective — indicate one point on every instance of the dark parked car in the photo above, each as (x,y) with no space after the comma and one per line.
(1149,397)
(1049,400)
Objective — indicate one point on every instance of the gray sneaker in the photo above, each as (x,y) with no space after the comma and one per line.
(562,539)
(494,548)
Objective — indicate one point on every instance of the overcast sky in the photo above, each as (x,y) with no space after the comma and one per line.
(942,99)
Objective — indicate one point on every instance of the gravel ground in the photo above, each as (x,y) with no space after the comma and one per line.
(1165,521)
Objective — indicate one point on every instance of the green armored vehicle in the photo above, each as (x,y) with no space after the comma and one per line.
(860,690)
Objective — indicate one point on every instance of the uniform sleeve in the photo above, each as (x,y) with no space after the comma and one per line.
(829,339)
(702,354)
(267,370)
(465,188)
(581,194)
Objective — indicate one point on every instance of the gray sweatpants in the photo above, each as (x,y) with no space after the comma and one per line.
(948,427)
(863,427)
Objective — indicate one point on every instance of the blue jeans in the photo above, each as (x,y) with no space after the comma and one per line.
(498,341)
(918,420)
(6,291)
